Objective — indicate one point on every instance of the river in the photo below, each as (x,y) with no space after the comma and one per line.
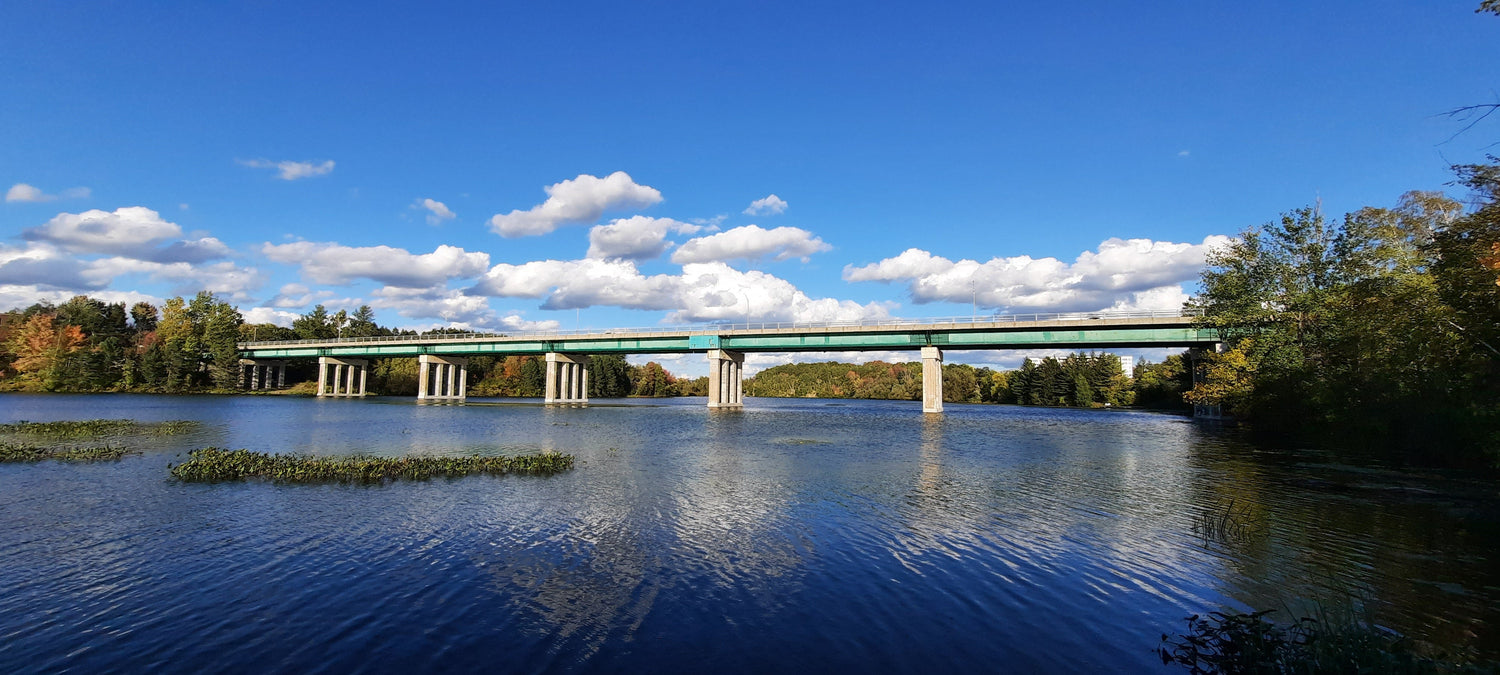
(805,535)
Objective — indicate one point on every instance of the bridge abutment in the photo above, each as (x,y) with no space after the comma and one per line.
(932,380)
(567,379)
(726,379)
(342,377)
(442,378)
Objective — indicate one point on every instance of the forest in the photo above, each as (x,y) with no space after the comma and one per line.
(88,345)
(1375,334)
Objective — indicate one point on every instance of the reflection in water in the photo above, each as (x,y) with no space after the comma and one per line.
(798,534)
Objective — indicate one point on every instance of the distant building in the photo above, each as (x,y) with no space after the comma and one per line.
(1127,364)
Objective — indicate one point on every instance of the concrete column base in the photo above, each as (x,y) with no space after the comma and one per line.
(261,374)
(567,379)
(348,379)
(726,379)
(932,380)
(442,378)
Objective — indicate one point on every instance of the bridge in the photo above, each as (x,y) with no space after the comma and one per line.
(343,362)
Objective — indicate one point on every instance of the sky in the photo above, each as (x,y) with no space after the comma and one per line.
(535,166)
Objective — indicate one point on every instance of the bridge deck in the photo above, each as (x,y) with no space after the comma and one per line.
(1051,331)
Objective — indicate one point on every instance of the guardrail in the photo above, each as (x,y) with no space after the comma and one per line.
(730,327)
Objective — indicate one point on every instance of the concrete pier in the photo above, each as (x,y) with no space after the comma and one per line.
(258,374)
(932,380)
(442,378)
(342,377)
(726,379)
(567,378)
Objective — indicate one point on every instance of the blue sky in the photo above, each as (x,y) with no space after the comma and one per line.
(1083,156)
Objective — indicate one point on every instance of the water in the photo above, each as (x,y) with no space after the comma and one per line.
(816,536)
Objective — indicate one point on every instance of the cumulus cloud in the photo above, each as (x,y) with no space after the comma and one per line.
(289,170)
(331,263)
(296,295)
(225,277)
(703,292)
(132,231)
(771,205)
(437,212)
(580,200)
(21,192)
(571,284)
(21,296)
(454,308)
(279,317)
(751,242)
(1133,273)
(46,266)
(717,292)
(635,238)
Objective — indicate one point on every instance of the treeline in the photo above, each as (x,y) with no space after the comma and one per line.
(88,345)
(1080,379)
(1378,334)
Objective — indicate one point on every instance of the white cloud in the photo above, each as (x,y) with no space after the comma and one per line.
(717,292)
(771,205)
(570,284)
(279,317)
(21,296)
(703,292)
(289,170)
(437,211)
(296,295)
(1183,153)
(580,200)
(454,308)
(132,231)
(331,263)
(21,192)
(46,266)
(223,277)
(1134,273)
(635,238)
(751,242)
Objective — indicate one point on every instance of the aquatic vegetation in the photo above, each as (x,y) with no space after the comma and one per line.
(1223,523)
(97,428)
(1331,642)
(217,464)
(19,452)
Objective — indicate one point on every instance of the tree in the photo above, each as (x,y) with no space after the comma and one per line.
(41,345)
(315,325)
(143,317)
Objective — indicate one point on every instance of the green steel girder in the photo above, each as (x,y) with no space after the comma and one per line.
(1083,338)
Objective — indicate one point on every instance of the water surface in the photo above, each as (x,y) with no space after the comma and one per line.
(821,536)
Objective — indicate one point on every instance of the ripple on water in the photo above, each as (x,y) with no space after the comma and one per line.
(793,534)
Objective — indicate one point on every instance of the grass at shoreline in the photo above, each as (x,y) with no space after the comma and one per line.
(211,465)
(98,428)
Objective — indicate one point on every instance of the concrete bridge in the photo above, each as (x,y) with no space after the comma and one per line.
(443,370)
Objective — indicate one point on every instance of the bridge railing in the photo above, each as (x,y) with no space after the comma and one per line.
(986,319)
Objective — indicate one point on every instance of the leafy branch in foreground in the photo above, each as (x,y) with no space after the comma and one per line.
(217,464)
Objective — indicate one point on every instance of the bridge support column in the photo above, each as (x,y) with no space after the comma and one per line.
(342,377)
(726,379)
(1198,357)
(567,378)
(258,374)
(932,380)
(442,378)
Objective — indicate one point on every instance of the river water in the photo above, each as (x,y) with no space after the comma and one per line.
(806,535)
